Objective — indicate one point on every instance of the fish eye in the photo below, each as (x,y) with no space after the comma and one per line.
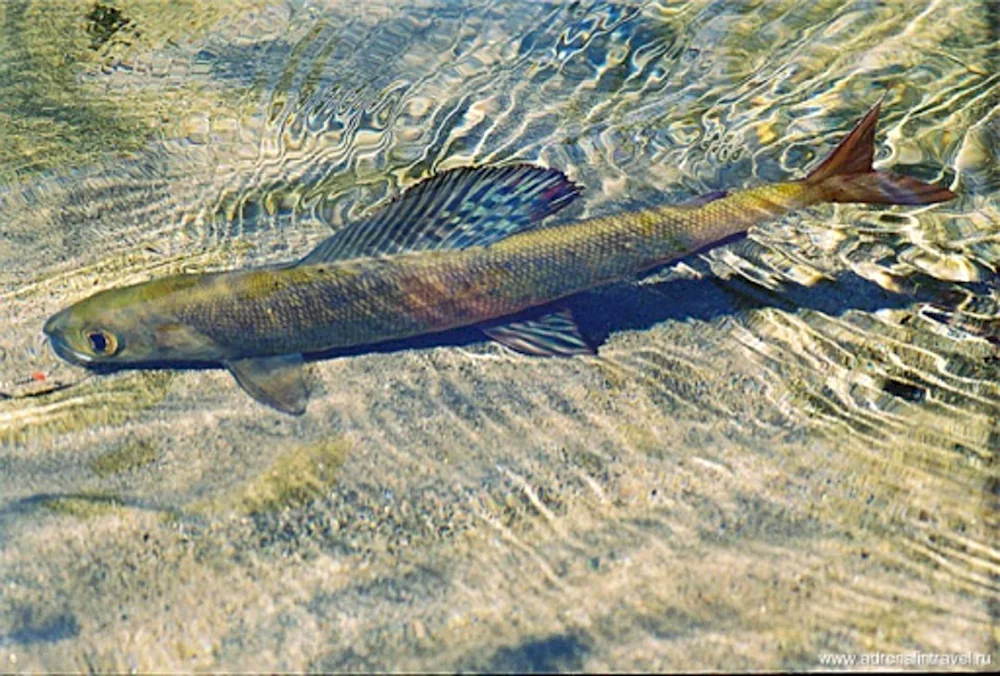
(102,342)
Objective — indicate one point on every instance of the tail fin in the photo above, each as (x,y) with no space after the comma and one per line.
(846,175)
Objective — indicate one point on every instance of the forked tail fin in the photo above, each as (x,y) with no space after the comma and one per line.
(846,175)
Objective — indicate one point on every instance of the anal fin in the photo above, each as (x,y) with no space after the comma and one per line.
(551,335)
(278,382)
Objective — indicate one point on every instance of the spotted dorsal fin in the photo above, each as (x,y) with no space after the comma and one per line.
(457,209)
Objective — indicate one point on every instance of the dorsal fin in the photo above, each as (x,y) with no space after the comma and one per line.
(456,209)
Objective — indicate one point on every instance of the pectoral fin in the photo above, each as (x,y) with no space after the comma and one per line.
(552,335)
(276,381)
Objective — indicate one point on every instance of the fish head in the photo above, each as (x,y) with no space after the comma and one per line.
(104,329)
(125,326)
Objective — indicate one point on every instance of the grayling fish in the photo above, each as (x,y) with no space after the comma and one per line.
(461,248)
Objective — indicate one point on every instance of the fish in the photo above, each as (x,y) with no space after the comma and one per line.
(465,247)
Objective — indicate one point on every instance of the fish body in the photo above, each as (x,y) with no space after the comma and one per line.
(461,248)
(320,306)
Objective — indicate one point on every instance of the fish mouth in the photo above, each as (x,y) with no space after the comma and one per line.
(54,330)
(63,349)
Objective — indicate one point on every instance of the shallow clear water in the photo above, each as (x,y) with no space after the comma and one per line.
(786,447)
